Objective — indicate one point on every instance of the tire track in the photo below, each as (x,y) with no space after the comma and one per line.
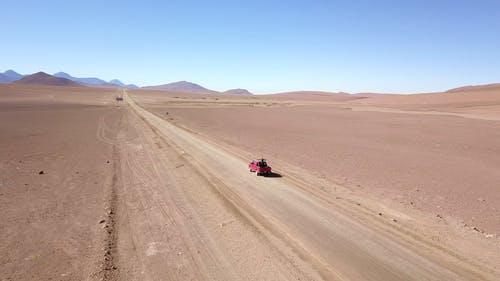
(172,212)
(109,265)
(166,186)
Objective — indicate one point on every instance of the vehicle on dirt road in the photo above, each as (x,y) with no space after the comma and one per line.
(260,167)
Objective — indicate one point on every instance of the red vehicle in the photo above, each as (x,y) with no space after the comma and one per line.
(260,167)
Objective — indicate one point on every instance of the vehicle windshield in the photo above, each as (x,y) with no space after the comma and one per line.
(262,164)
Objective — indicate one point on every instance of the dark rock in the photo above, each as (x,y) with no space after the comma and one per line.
(41,172)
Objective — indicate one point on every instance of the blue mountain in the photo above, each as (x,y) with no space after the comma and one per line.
(117,82)
(88,81)
(10,76)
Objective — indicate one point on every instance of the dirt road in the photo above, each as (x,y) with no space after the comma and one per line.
(191,210)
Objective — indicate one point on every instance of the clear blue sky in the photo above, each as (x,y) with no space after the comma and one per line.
(264,46)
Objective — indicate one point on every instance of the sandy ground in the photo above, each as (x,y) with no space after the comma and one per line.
(131,193)
(442,164)
(55,183)
(418,158)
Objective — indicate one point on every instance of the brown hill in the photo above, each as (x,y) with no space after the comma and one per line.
(487,87)
(182,87)
(237,92)
(42,78)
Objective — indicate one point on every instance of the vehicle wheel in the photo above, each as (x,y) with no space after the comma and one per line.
(251,170)
(257,173)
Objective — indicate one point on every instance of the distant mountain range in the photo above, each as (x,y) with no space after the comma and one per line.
(89,81)
(95,81)
(10,76)
(189,87)
(42,78)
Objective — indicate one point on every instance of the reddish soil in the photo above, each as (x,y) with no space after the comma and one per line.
(156,187)
(442,164)
(55,185)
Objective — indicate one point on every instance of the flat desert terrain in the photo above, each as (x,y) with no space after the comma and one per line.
(156,187)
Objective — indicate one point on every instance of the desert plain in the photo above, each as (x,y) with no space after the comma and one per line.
(156,187)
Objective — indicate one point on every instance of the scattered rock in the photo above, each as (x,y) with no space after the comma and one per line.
(166,113)
(107,162)
(77,172)
(439,216)
(102,221)
(42,172)
(475,229)
(379,214)
(394,220)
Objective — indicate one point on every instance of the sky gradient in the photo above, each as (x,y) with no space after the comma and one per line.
(264,46)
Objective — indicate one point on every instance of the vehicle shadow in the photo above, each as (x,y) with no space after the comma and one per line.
(274,175)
